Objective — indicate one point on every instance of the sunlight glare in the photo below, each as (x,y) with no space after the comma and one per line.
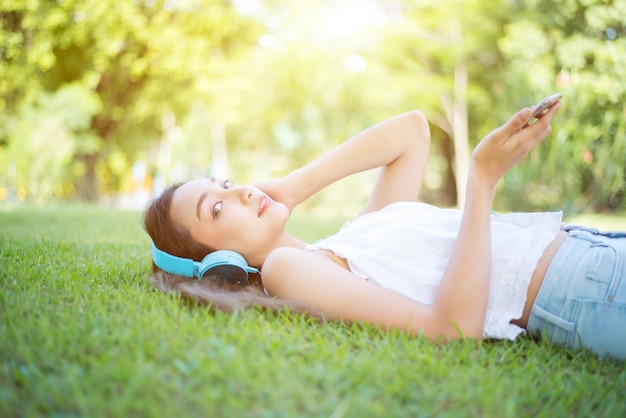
(348,18)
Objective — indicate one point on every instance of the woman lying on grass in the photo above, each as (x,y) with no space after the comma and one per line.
(400,263)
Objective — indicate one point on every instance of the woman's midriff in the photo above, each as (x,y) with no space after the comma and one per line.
(538,275)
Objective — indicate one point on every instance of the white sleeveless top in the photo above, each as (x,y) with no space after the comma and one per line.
(406,247)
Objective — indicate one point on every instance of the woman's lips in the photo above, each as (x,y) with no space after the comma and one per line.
(264,203)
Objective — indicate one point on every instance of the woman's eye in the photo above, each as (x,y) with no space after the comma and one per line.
(217,208)
(228,184)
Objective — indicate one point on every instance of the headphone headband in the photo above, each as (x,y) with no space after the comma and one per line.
(230,266)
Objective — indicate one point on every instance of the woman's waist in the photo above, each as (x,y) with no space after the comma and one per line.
(539,274)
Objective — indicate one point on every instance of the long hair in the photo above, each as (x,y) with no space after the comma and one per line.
(174,239)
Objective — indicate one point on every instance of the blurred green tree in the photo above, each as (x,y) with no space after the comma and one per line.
(49,133)
(578,49)
(475,63)
(302,90)
(181,83)
(445,57)
(143,59)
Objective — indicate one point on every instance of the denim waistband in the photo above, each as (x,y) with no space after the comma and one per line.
(593,231)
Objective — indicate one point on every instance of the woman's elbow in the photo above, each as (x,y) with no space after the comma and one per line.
(420,126)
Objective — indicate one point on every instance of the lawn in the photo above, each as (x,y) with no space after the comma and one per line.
(82,333)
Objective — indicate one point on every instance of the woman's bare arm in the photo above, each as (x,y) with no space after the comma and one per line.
(314,279)
(399,145)
(464,290)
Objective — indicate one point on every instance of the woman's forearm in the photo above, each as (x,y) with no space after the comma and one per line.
(462,297)
(377,146)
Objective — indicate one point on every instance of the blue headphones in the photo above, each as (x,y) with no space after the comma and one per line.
(228,265)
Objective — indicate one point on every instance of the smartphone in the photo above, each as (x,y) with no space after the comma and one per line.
(542,107)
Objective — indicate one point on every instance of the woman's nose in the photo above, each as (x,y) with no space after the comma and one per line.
(245,193)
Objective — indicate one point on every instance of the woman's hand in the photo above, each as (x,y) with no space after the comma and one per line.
(278,189)
(507,145)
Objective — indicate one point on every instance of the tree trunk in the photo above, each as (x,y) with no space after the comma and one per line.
(87,184)
(460,132)
(459,120)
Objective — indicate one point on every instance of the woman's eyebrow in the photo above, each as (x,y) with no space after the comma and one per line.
(201,199)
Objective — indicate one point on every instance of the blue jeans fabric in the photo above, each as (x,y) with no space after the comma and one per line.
(582,300)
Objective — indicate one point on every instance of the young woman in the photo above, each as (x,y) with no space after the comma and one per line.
(402,264)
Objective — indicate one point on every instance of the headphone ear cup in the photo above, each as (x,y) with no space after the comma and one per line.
(230,266)
(228,273)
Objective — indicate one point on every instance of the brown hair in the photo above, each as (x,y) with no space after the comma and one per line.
(174,239)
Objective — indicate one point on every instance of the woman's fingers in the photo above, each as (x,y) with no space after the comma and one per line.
(517,124)
(518,121)
(507,145)
(540,130)
(544,120)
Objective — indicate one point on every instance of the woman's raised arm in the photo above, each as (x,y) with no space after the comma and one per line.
(462,296)
(399,145)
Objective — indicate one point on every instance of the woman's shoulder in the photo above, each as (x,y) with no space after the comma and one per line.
(284,261)
(279,256)
(287,265)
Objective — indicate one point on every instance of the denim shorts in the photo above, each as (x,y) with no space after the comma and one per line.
(582,300)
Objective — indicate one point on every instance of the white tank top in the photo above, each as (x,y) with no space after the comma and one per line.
(406,247)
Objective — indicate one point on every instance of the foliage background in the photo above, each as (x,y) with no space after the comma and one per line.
(106,99)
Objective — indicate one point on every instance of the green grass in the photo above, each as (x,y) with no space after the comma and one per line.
(83,334)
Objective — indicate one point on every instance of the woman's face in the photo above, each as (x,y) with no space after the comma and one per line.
(225,216)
